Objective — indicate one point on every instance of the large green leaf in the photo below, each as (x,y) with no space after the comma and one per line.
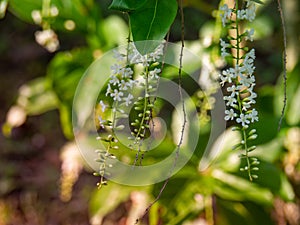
(126,5)
(152,21)
(82,12)
(272,178)
(23,8)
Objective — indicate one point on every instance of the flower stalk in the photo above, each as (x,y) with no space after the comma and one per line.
(239,79)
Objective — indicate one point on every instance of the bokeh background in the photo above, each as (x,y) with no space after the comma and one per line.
(45,48)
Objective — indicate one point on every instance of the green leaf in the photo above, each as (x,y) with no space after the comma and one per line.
(36,97)
(109,27)
(270,151)
(23,8)
(272,178)
(107,199)
(152,21)
(83,13)
(235,188)
(126,5)
(64,73)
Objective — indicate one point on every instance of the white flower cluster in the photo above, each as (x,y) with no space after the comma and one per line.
(47,37)
(121,79)
(120,86)
(136,58)
(248,13)
(240,78)
(225,14)
(242,14)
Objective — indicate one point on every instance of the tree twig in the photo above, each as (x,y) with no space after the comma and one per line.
(284,64)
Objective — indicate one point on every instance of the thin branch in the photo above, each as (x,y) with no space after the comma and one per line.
(284,63)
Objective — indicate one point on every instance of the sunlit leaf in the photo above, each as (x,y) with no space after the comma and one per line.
(127,5)
(152,21)
(82,12)
(36,97)
(23,8)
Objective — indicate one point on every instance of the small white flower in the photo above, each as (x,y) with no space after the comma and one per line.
(145,61)
(109,90)
(252,93)
(247,81)
(224,45)
(230,114)
(225,14)
(101,121)
(234,90)
(253,115)
(249,34)
(54,11)
(251,54)
(118,56)
(250,11)
(127,73)
(248,68)
(48,39)
(227,76)
(230,101)
(155,55)
(128,99)
(116,68)
(36,16)
(103,105)
(114,80)
(248,65)
(123,85)
(134,57)
(117,95)
(131,83)
(154,73)
(246,105)
(241,14)
(243,119)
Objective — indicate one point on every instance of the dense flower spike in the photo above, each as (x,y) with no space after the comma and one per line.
(239,79)
(120,89)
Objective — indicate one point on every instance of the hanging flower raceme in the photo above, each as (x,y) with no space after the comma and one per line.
(239,79)
(122,88)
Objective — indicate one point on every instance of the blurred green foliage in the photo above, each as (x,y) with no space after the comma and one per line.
(191,194)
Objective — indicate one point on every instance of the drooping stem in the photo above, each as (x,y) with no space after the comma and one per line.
(284,64)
